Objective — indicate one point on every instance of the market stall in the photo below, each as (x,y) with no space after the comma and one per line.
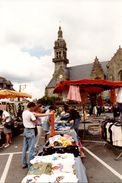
(88,86)
(59,158)
(111,129)
(11,108)
(59,161)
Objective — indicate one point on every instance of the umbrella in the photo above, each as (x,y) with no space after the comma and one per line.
(13,94)
(88,85)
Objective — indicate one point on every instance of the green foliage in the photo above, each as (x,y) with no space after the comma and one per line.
(48,100)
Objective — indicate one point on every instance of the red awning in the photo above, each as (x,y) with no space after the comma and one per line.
(88,85)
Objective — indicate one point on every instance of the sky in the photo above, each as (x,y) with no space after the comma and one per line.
(28,29)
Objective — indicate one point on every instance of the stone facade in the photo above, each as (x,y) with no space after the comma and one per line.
(97,70)
(114,67)
(110,70)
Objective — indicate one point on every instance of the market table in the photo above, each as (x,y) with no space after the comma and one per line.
(80,169)
(78,165)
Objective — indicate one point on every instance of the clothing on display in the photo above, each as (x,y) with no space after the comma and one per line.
(62,126)
(58,167)
(61,144)
(112,132)
(119,95)
(52,168)
(40,168)
(117,135)
(64,140)
(61,178)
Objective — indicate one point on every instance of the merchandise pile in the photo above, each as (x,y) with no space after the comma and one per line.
(56,168)
(58,140)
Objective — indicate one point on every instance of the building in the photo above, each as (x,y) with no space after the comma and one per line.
(5,84)
(110,70)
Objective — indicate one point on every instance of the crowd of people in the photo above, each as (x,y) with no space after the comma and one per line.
(34,119)
(36,122)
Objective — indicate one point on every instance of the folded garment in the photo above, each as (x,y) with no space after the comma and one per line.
(58,178)
(40,168)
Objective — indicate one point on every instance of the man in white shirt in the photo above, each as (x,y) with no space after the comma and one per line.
(29,122)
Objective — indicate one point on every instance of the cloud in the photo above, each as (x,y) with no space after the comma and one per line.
(28,29)
(20,67)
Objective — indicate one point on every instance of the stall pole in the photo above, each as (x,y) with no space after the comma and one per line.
(84,121)
(52,131)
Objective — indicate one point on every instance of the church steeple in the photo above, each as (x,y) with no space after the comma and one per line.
(60,49)
(60,33)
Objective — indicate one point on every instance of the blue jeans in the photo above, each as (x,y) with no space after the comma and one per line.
(76,125)
(28,145)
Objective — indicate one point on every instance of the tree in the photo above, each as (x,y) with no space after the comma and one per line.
(48,100)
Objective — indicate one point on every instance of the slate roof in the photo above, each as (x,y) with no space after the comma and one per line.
(51,83)
(83,71)
(79,72)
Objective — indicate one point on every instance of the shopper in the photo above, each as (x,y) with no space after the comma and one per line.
(75,116)
(29,122)
(99,110)
(116,111)
(38,109)
(47,119)
(6,118)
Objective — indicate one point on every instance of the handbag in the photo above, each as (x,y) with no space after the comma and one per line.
(9,125)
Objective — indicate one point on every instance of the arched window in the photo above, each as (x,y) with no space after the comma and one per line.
(56,54)
(59,54)
(120,75)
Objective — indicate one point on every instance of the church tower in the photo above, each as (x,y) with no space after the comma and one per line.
(60,63)
(60,56)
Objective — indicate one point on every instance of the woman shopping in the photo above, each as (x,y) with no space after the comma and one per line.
(6,118)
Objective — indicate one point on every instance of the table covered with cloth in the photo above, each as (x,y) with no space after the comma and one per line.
(57,168)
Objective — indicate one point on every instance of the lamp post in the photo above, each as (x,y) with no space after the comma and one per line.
(20,88)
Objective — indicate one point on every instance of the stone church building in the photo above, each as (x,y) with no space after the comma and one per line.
(109,70)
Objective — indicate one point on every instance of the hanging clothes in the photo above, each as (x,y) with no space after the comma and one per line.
(119,99)
(117,135)
(112,96)
(74,93)
(100,101)
(119,95)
